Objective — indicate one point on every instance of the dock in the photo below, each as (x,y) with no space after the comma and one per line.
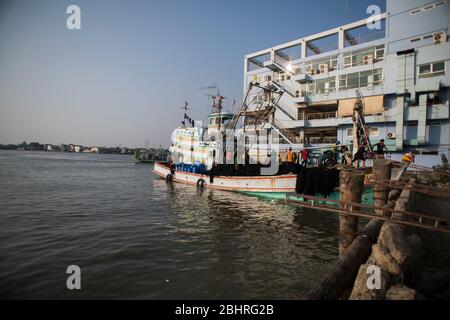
(394,218)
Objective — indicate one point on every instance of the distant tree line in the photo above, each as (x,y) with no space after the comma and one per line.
(36,146)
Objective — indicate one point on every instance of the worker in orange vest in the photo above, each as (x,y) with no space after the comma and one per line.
(290,156)
(408,157)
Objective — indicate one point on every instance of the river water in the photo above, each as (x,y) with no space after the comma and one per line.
(135,236)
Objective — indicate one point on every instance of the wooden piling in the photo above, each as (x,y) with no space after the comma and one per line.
(381,172)
(351,188)
(341,276)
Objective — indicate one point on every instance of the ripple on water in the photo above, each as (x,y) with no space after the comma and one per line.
(134,236)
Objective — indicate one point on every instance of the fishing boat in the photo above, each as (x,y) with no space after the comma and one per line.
(198,155)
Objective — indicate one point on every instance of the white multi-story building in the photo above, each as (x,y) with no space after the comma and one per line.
(400,65)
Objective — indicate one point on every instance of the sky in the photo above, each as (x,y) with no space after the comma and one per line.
(122,78)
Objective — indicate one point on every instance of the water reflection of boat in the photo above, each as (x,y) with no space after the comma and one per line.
(151,155)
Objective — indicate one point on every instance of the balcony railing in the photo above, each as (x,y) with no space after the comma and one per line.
(363,38)
(320,140)
(321,115)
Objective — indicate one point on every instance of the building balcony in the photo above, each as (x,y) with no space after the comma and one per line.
(302,78)
(318,123)
(303,98)
(320,140)
(274,66)
(321,115)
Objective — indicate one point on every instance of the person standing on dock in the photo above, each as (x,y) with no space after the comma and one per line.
(360,155)
(346,158)
(290,156)
(304,155)
(380,149)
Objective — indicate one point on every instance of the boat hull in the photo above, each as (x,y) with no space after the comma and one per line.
(267,184)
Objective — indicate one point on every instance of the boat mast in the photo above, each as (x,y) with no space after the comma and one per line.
(185,108)
(360,136)
(219,107)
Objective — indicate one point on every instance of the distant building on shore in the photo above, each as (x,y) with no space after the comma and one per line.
(36,146)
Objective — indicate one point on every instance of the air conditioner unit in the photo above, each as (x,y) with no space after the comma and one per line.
(323,68)
(391,135)
(439,38)
(368,59)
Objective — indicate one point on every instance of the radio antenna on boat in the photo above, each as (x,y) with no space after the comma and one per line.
(210,92)
(219,107)
(185,108)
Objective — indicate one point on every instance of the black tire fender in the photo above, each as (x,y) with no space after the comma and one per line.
(201,183)
(169,178)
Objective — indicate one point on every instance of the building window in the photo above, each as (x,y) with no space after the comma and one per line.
(264,78)
(322,65)
(427,7)
(425,37)
(361,79)
(373,132)
(425,69)
(350,132)
(364,57)
(322,86)
(434,98)
(432,69)
(282,77)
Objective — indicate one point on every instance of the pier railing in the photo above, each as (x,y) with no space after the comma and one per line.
(419,220)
